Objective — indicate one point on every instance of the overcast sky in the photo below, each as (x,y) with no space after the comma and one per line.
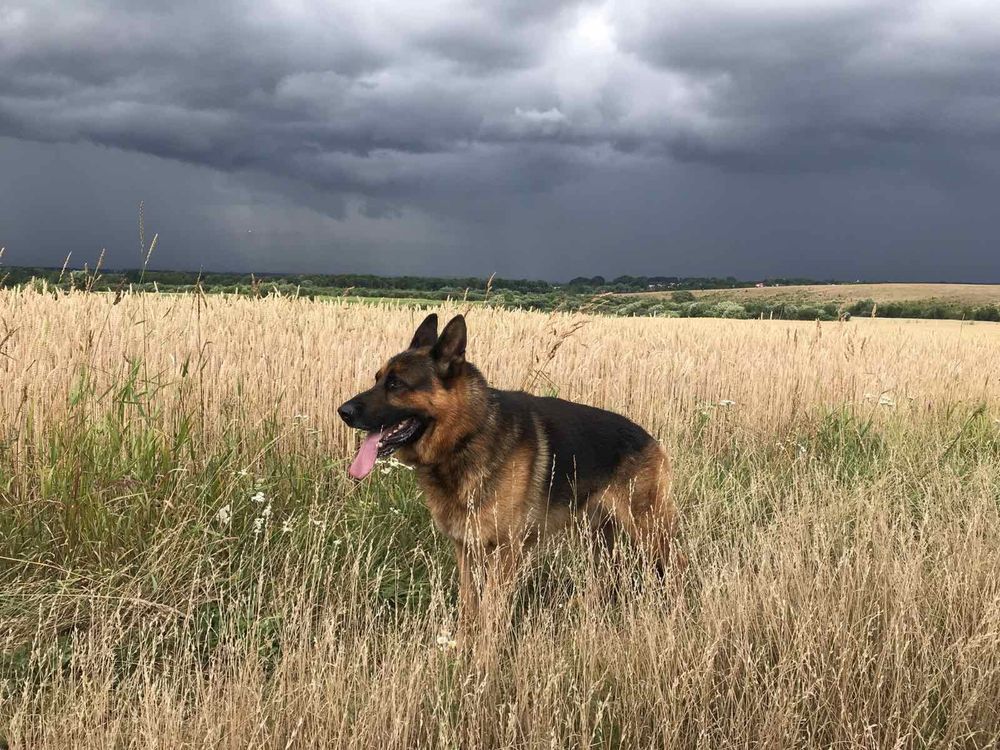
(535,138)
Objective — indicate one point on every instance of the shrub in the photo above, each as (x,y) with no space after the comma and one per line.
(728,309)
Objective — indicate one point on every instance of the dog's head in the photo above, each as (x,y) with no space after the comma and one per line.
(407,399)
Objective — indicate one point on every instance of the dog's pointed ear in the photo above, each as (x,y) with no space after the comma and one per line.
(427,332)
(449,351)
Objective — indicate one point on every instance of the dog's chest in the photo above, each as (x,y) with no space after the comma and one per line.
(485,498)
(450,517)
(482,512)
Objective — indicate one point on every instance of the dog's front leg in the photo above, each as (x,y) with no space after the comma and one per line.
(501,566)
(468,590)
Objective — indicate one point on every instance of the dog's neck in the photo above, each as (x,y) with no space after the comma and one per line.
(470,408)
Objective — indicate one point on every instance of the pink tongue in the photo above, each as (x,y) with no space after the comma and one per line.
(364,462)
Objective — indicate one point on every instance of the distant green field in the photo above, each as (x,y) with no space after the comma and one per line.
(834,301)
(953,294)
(415,301)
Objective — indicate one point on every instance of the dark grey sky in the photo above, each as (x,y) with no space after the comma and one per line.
(534,138)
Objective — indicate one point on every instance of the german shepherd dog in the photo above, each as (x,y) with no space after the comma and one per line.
(502,470)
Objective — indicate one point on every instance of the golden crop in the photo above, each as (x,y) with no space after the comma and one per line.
(306,357)
(839,485)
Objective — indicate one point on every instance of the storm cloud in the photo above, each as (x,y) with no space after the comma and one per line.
(834,138)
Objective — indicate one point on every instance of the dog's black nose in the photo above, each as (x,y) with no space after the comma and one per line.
(349,411)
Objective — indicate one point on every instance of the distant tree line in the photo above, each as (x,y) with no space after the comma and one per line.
(667,283)
(221,280)
(592,294)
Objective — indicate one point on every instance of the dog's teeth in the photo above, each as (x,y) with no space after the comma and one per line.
(403,428)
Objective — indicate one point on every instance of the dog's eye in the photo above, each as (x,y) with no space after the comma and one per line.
(394,384)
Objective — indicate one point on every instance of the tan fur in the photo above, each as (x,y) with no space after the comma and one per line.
(638,500)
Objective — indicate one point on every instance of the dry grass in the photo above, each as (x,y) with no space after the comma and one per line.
(184,564)
(963,294)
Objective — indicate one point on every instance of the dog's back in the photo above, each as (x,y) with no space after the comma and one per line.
(585,446)
(534,463)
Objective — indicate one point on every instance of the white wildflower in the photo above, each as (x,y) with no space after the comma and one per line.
(288,526)
(260,521)
(258,497)
(225,515)
(446,641)
(394,463)
(321,525)
(886,401)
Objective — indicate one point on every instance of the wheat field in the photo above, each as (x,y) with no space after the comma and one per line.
(184,563)
(968,294)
